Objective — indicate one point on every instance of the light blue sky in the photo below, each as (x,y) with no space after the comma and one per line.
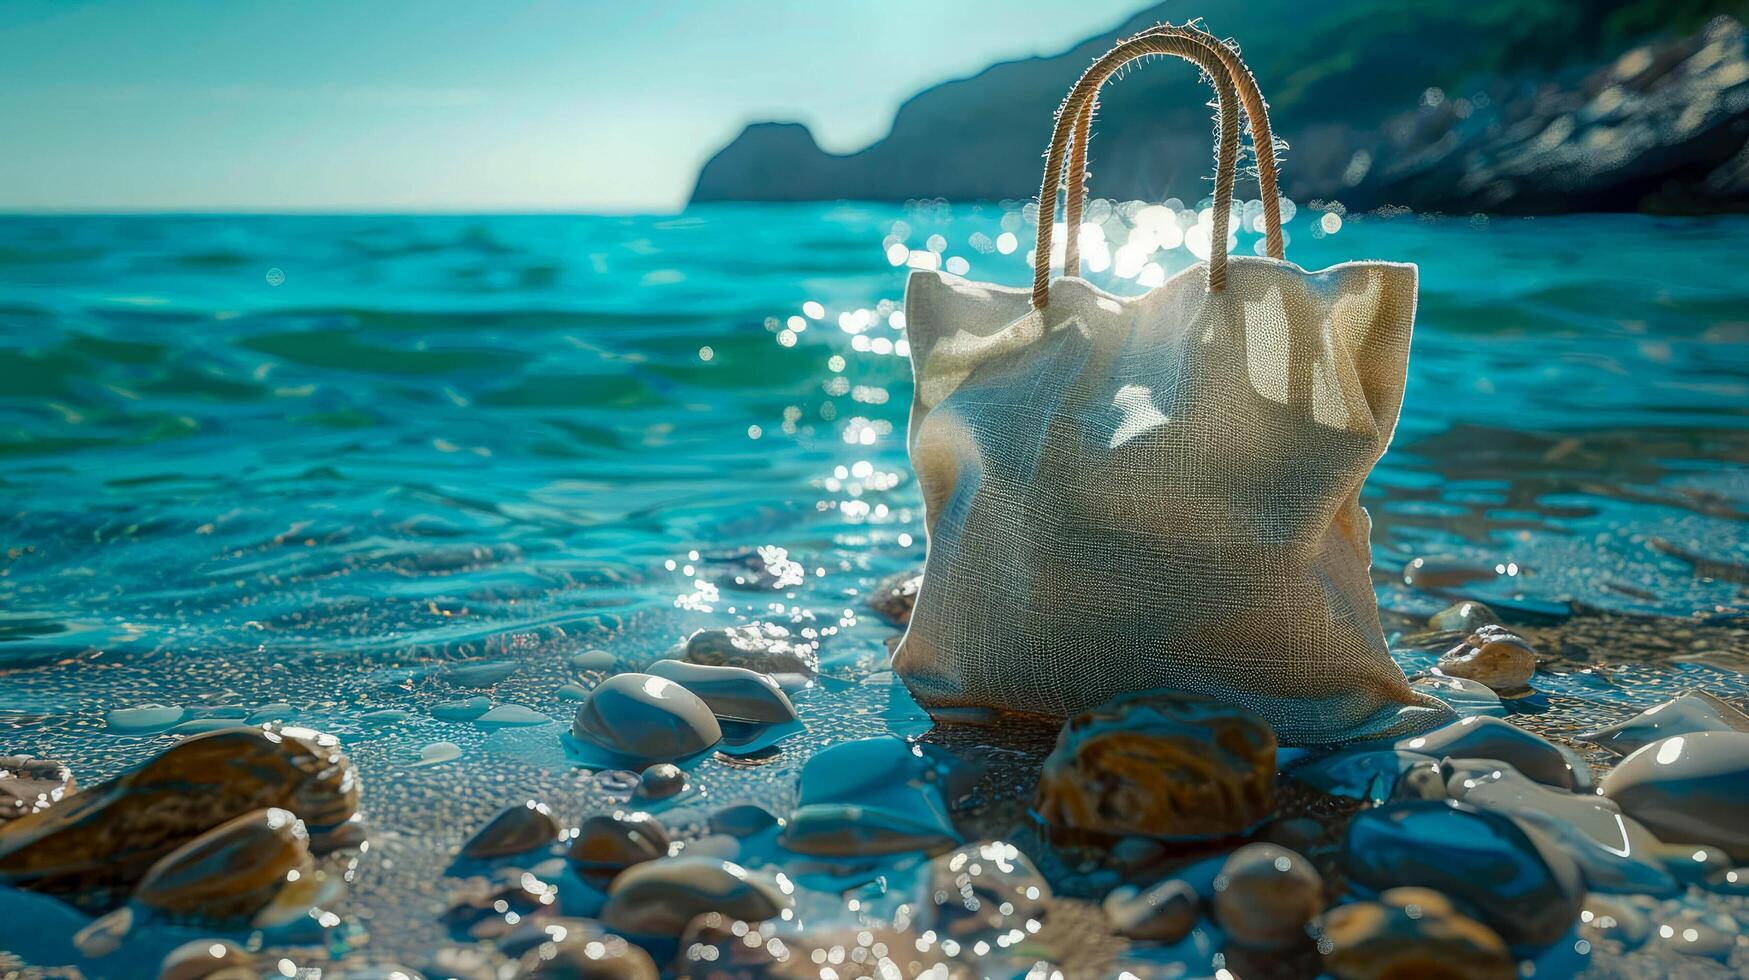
(460,104)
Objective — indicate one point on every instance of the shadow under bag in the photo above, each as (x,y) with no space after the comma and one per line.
(1159,491)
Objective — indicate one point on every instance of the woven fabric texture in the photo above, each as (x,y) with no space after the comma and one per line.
(1125,493)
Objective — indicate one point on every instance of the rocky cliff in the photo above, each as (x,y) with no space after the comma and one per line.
(1508,106)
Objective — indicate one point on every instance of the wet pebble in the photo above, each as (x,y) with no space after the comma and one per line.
(1607,918)
(878,795)
(980,891)
(733,693)
(1373,775)
(143,719)
(608,844)
(494,907)
(1494,656)
(659,782)
(95,846)
(1466,616)
(1698,934)
(764,647)
(255,865)
(512,716)
(1468,698)
(593,660)
(1436,572)
(743,820)
(437,753)
(659,898)
(1165,913)
(209,959)
(1689,789)
(646,719)
(28,785)
(514,830)
(1491,738)
(1696,711)
(894,596)
(573,692)
(1614,852)
(1524,885)
(1162,764)
(464,709)
(486,673)
(1265,895)
(578,949)
(1410,932)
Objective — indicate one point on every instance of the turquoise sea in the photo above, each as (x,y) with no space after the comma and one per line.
(309,462)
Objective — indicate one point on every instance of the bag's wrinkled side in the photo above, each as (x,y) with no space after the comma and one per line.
(1159,491)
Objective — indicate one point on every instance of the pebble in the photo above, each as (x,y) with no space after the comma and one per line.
(95,846)
(1494,656)
(512,716)
(1465,617)
(1162,764)
(1435,572)
(659,782)
(578,949)
(1524,885)
(1696,711)
(646,719)
(1695,934)
(486,673)
(1491,738)
(734,694)
(1265,895)
(659,898)
(878,795)
(573,692)
(201,959)
(514,830)
(764,647)
(232,874)
(1373,775)
(497,906)
(1164,913)
(606,845)
(1410,932)
(1689,789)
(895,596)
(980,891)
(28,785)
(436,754)
(144,719)
(598,660)
(1614,852)
(743,820)
(1604,917)
(1468,698)
(1729,881)
(465,709)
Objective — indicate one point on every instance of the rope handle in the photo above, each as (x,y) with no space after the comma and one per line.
(1223,66)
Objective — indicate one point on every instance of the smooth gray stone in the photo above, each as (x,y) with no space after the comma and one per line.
(1491,738)
(661,897)
(1696,711)
(143,719)
(1689,789)
(645,719)
(1467,697)
(514,830)
(733,693)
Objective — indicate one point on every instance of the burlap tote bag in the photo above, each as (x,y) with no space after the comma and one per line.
(1159,491)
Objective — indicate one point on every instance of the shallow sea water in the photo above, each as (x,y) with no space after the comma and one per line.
(317,461)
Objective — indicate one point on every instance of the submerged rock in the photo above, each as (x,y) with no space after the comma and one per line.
(143,719)
(1696,711)
(1163,764)
(464,709)
(1491,738)
(763,647)
(511,716)
(659,782)
(28,785)
(1468,698)
(1165,913)
(232,874)
(1373,775)
(1466,617)
(495,907)
(1688,789)
(607,845)
(486,673)
(659,898)
(646,719)
(1411,932)
(1523,884)
(878,795)
(733,693)
(209,959)
(981,890)
(578,949)
(1494,656)
(92,848)
(1265,895)
(1614,852)
(895,596)
(514,830)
